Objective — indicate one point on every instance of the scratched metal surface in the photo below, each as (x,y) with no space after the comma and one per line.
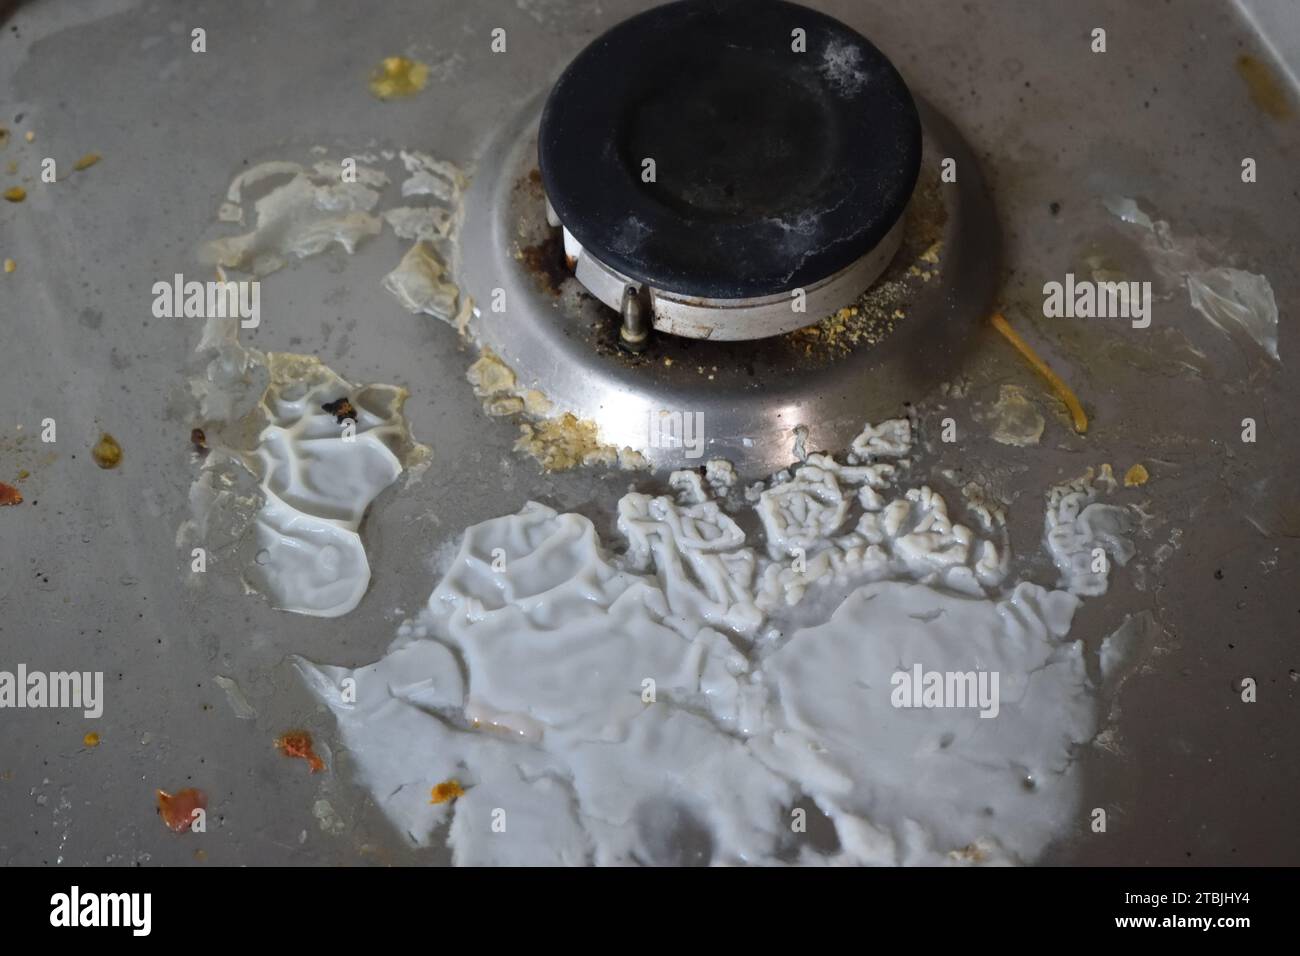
(89,575)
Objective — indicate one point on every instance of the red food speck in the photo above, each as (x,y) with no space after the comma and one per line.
(298,743)
(178,809)
(9,495)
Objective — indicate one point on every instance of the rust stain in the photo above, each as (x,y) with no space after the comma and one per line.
(546,261)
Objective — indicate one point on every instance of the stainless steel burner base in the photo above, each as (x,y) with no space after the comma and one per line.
(728,320)
(748,396)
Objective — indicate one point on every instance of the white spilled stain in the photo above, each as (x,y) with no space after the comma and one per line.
(681,698)
(318,448)
(1086,536)
(319,470)
(295,456)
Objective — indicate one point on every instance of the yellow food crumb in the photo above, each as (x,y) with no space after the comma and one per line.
(15,194)
(10,265)
(107,452)
(446,791)
(29,136)
(91,739)
(90,159)
(397,76)
(1135,476)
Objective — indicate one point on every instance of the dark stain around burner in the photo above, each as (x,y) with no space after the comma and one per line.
(545,260)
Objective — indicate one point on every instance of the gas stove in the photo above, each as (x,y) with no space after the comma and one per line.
(717,204)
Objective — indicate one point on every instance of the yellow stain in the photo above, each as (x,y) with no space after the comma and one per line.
(107,452)
(1265,91)
(1135,476)
(91,739)
(397,76)
(90,159)
(446,791)
(10,265)
(15,194)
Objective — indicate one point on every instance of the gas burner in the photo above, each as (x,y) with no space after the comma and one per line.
(728,169)
(788,156)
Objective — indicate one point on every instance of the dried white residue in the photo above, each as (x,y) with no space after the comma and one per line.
(302,217)
(675,701)
(1233,300)
(318,448)
(422,280)
(1123,651)
(319,471)
(314,471)
(842,67)
(235,697)
(1013,419)
(301,211)
(1085,536)
(696,486)
(421,283)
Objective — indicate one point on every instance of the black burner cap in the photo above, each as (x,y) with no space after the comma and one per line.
(774,168)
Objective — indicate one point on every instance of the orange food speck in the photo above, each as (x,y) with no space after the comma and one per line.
(298,743)
(9,495)
(446,791)
(91,739)
(178,809)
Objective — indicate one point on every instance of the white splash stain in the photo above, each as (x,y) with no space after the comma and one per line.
(671,704)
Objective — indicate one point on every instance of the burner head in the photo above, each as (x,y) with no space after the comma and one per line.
(785,148)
